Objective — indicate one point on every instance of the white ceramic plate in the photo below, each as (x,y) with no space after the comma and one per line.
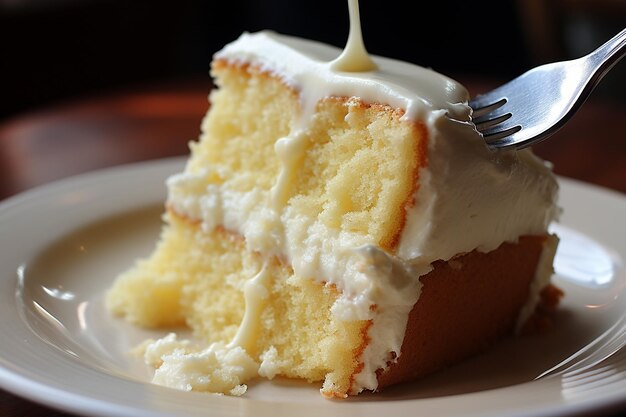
(63,244)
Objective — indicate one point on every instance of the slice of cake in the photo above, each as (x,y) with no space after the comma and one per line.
(346,228)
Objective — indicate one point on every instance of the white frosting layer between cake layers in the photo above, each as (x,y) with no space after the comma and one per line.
(469,197)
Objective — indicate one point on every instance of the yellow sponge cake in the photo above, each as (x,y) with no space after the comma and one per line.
(348,228)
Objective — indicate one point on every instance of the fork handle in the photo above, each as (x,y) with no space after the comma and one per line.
(607,55)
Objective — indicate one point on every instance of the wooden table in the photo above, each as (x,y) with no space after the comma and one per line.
(157,121)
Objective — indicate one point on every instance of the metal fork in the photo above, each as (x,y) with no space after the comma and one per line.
(536,104)
(611,342)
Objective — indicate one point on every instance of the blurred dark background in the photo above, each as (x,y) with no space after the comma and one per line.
(55,50)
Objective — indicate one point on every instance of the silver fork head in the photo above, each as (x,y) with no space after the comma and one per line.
(529,108)
(536,104)
(489,114)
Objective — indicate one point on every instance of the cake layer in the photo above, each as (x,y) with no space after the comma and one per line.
(468,196)
(347,144)
(198,278)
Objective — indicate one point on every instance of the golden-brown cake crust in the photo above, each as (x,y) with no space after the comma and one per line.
(466,305)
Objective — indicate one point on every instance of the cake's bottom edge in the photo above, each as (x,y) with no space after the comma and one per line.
(470,303)
(196,278)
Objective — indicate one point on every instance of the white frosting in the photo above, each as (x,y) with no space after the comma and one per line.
(307,65)
(472,198)
(217,368)
(544,272)
(469,197)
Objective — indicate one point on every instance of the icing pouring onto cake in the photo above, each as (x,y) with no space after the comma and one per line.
(354,57)
(255,294)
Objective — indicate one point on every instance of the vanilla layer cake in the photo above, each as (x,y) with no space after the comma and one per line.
(346,228)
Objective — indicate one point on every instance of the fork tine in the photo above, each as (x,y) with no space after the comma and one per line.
(485,123)
(492,112)
(497,138)
(482,105)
